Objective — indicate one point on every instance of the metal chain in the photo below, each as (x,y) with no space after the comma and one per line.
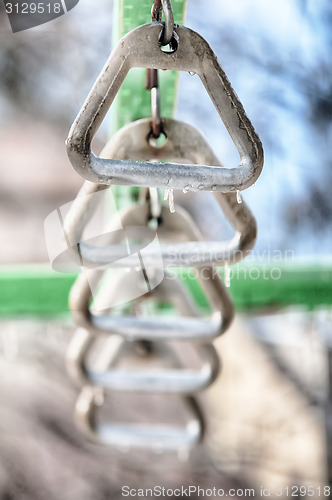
(165,6)
(144,341)
(152,80)
(155,330)
(152,84)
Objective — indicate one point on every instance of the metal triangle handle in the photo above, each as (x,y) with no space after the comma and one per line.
(141,48)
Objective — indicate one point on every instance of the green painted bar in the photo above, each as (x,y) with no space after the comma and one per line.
(34,290)
(39,291)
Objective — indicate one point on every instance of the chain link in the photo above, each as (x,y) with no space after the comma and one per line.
(165,6)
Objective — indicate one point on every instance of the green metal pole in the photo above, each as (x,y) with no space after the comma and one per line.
(37,290)
(133,100)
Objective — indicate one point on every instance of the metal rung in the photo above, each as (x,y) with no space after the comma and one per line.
(183,141)
(153,436)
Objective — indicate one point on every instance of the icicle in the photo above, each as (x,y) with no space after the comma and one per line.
(169,194)
(227,275)
(239,196)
